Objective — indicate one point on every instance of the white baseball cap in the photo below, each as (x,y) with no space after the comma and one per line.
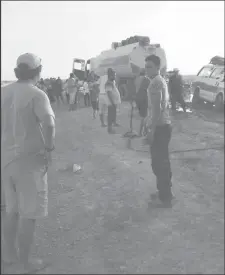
(31,60)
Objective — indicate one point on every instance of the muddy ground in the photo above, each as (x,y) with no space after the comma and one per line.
(99,220)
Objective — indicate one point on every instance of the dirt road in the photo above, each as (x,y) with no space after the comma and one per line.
(99,221)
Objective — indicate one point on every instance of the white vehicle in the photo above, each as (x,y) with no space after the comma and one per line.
(127,59)
(209,84)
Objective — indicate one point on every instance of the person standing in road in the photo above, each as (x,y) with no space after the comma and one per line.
(159,132)
(72,90)
(41,85)
(94,96)
(142,99)
(103,100)
(58,91)
(176,90)
(86,94)
(114,100)
(27,140)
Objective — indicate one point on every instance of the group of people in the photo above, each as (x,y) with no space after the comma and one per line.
(53,88)
(28,138)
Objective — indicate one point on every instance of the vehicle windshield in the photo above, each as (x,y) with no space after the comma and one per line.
(206,71)
(79,64)
(218,73)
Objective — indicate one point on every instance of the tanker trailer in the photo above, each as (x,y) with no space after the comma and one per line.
(127,61)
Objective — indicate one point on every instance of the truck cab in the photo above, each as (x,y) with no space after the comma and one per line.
(78,68)
(208,85)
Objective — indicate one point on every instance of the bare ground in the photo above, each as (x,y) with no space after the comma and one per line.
(99,221)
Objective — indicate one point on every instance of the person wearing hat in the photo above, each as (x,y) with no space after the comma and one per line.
(113,97)
(27,140)
(176,90)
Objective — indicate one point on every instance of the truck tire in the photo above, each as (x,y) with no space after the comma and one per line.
(219,103)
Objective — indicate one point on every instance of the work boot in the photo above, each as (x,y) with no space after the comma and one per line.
(102,120)
(155,195)
(159,203)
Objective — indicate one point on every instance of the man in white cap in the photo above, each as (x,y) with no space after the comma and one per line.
(27,140)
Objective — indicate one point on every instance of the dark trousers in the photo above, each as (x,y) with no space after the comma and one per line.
(87,100)
(111,115)
(68,98)
(160,160)
(177,98)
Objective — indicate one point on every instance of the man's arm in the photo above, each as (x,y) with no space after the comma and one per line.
(156,109)
(45,114)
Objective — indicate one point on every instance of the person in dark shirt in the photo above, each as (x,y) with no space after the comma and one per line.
(176,90)
(58,89)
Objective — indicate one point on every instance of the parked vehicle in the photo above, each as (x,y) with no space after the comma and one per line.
(208,85)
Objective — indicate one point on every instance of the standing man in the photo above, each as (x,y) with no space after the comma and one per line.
(159,131)
(94,96)
(27,140)
(176,90)
(72,91)
(142,98)
(58,91)
(113,96)
(86,94)
(103,100)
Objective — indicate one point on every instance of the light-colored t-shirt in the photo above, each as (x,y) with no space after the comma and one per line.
(71,86)
(158,85)
(110,87)
(23,108)
(86,88)
(102,81)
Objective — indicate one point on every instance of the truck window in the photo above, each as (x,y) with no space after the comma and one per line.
(205,71)
(218,73)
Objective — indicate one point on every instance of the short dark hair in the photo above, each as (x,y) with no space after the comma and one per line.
(23,72)
(110,72)
(154,58)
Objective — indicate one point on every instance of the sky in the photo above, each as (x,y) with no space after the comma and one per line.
(191,33)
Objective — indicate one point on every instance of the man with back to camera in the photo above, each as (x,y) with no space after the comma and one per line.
(176,90)
(159,132)
(27,140)
(58,91)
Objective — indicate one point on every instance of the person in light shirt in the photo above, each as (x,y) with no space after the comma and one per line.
(86,94)
(27,140)
(72,91)
(103,100)
(113,98)
(159,132)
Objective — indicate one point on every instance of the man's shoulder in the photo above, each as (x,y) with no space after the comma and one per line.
(38,94)
(157,83)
